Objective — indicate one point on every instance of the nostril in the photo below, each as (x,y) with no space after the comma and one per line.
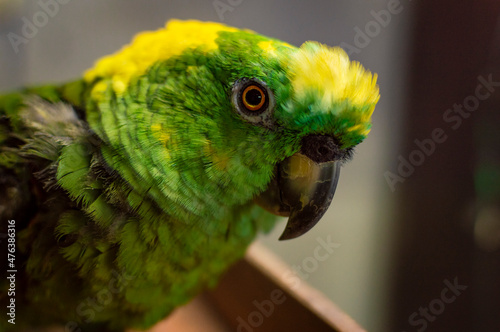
(321,148)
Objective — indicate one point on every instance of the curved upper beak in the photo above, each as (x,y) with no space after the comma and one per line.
(302,190)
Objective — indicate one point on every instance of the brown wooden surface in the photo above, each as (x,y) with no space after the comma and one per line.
(251,283)
(198,315)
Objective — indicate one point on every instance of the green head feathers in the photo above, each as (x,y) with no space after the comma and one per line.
(173,98)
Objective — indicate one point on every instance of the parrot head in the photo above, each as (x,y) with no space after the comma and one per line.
(227,115)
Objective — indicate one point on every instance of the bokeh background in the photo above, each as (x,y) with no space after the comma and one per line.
(416,217)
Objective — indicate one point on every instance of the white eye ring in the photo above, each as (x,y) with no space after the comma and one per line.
(253,101)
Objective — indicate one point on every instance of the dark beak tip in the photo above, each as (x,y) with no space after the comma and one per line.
(288,235)
(302,221)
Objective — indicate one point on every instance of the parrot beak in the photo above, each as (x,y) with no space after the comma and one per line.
(302,190)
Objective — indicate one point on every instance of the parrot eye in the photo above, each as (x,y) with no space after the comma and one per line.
(253,101)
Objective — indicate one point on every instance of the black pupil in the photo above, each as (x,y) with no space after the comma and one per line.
(253,97)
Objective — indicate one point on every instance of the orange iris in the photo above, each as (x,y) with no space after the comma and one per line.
(253,98)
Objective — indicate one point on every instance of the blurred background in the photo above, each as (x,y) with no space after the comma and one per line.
(414,228)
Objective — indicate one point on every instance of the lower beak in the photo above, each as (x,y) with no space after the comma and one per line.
(302,190)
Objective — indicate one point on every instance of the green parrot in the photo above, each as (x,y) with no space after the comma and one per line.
(125,193)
